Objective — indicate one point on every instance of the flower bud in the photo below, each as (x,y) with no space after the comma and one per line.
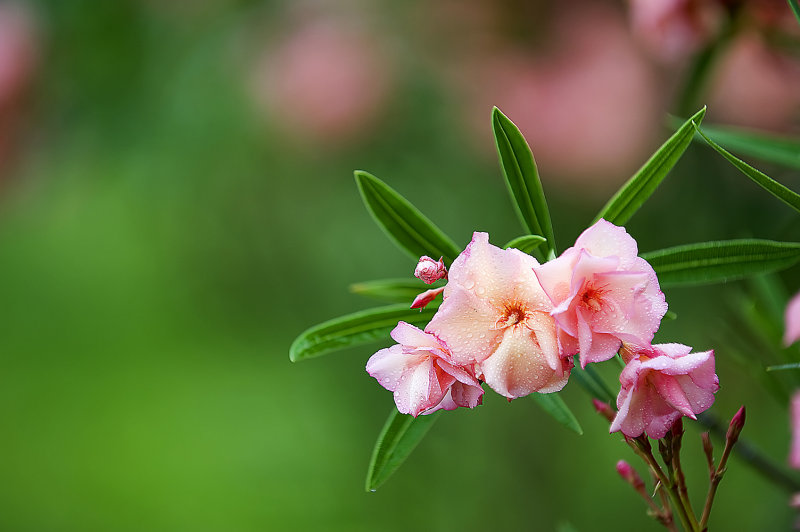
(630,475)
(735,428)
(604,409)
(426,297)
(429,271)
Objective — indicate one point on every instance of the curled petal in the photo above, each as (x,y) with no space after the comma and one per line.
(422,300)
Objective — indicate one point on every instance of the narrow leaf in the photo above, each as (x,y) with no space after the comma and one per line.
(402,222)
(720,261)
(795,9)
(783,367)
(522,177)
(392,290)
(768,147)
(558,409)
(590,381)
(786,195)
(526,243)
(641,186)
(400,435)
(354,329)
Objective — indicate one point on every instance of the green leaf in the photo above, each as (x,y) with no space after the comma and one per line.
(522,177)
(354,329)
(400,435)
(590,381)
(526,243)
(392,290)
(402,222)
(720,261)
(641,186)
(786,195)
(558,409)
(795,9)
(765,146)
(783,367)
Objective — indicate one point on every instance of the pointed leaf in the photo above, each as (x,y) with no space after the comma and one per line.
(786,195)
(522,177)
(527,243)
(402,222)
(641,186)
(589,380)
(720,261)
(558,409)
(783,367)
(392,290)
(400,435)
(354,329)
(769,147)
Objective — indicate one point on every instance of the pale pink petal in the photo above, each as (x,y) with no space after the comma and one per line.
(388,365)
(604,239)
(555,276)
(518,367)
(409,335)
(420,388)
(465,323)
(670,390)
(792,321)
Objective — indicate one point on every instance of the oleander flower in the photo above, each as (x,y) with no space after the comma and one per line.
(660,384)
(602,294)
(420,373)
(792,321)
(496,316)
(429,271)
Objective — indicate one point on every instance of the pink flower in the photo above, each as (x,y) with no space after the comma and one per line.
(603,294)
(794,452)
(675,29)
(661,383)
(496,315)
(792,321)
(420,373)
(429,271)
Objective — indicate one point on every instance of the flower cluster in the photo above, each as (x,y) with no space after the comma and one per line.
(515,324)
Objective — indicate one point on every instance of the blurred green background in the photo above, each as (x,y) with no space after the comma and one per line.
(177,204)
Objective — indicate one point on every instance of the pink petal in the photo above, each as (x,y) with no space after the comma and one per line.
(388,365)
(419,388)
(518,367)
(555,276)
(605,239)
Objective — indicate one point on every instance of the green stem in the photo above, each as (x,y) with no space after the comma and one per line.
(647,455)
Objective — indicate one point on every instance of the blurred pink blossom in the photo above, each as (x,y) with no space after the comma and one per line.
(326,80)
(791,320)
(588,104)
(674,29)
(429,271)
(496,315)
(661,383)
(756,86)
(602,293)
(420,372)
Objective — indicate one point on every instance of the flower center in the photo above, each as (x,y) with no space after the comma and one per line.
(511,315)
(592,298)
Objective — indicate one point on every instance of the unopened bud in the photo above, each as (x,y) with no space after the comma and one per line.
(426,297)
(630,475)
(735,428)
(604,409)
(429,271)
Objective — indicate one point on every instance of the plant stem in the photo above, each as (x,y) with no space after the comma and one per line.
(716,478)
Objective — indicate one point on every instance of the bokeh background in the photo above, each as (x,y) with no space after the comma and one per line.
(177,204)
